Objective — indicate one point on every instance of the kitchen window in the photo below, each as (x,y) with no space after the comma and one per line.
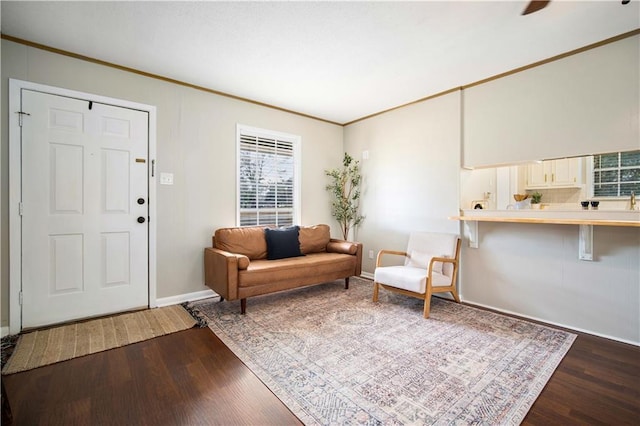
(616,174)
(268,177)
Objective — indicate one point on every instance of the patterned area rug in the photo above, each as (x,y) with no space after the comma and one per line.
(334,357)
(44,347)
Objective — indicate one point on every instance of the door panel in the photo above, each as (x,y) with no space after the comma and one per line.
(66,264)
(66,178)
(115,258)
(115,181)
(84,252)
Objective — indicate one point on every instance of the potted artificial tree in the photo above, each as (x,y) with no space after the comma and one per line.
(345,189)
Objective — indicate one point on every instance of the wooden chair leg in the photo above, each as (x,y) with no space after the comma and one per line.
(427,302)
(375,291)
(243,306)
(454,293)
(427,306)
(346,283)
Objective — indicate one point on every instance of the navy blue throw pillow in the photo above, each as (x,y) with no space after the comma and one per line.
(282,242)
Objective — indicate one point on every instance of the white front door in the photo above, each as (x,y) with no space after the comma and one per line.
(85,245)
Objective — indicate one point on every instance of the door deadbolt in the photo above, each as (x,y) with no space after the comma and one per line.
(140,200)
(141,219)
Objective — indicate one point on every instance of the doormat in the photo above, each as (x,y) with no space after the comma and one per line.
(44,347)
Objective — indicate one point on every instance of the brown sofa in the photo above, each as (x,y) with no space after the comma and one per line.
(238,264)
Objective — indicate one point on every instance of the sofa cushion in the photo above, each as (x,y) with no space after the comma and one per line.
(283,242)
(248,241)
(314,239)
(327,266)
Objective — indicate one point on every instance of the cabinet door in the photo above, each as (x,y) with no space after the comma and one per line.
(539,175)
(565,172)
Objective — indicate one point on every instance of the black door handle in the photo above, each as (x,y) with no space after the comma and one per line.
(141,219)
(140,200)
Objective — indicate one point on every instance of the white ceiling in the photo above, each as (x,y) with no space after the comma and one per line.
(338,61)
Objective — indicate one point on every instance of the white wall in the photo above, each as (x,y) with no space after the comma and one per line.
(534,271)
(196,142)
(411,179)
(582,104)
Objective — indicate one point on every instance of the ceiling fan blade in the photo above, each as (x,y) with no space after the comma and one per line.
(535,5)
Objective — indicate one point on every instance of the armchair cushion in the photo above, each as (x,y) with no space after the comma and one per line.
(409,278)
(420,259)
(283,242)
(435,243)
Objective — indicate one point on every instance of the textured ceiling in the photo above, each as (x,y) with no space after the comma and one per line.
(338,61)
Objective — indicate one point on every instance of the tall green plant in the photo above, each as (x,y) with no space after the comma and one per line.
(345,189)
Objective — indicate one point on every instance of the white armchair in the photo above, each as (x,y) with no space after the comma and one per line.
(430,266)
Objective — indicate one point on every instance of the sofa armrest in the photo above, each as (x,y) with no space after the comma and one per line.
(347,247)
(221,271)
(341,246)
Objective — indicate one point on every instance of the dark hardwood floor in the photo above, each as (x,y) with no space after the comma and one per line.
(597,383)
(191,378)
(185,378)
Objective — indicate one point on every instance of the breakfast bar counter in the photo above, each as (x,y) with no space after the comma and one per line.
(585,219)
(558,217)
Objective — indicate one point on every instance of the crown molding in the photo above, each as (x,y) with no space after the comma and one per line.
(239,98)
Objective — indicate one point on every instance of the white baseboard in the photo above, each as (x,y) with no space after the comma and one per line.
(552,323)
(367,275)
(4,331)
(188,297)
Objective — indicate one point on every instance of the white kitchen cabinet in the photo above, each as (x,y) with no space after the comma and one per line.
(566,172)
(561,173)
(539,175)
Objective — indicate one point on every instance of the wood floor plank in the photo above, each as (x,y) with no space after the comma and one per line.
(191,377)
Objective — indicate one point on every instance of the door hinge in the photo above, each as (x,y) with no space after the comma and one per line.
(20,298)
(20,115)
(20,208)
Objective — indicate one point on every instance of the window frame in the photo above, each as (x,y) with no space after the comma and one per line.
(591,184)
(296,142)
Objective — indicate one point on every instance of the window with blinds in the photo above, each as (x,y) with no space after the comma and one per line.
(616,174)
(267,178)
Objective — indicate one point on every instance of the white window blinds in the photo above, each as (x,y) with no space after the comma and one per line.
(267,178)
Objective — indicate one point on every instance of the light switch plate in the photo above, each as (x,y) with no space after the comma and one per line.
(166,178)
